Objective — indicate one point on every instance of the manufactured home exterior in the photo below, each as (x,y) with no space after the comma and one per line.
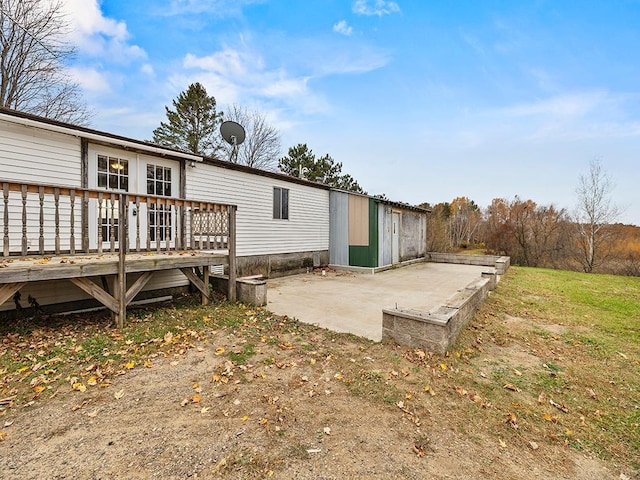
(282,224)
(373,232)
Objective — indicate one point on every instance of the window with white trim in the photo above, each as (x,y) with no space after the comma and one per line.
(113,173)
(280,203)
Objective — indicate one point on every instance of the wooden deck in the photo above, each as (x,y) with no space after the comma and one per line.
(193,236)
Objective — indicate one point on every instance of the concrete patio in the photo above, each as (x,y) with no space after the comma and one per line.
(349,302)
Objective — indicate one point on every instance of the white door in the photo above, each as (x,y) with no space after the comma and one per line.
(118,171)
(395,237)
(157,177)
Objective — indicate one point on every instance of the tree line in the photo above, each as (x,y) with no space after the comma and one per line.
(588,239)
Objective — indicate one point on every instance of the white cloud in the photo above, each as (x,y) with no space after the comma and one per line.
(568,105)
(375,7)
(147,69)
(89,79)
(342,28)
(237,75)
(97,35)
(221,8)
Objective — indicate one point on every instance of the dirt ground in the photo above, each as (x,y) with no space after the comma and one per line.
(291,411)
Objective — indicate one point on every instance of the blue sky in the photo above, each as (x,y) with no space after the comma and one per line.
(423,100)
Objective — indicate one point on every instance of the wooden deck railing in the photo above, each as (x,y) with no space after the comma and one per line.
(42,219)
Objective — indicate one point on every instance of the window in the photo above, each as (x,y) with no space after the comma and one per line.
(108,215)
(281,203)
(113,173)
(159,183)
(158,180)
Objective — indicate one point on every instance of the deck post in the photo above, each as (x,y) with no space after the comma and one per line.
(231,245)
(120,289)
(205,278)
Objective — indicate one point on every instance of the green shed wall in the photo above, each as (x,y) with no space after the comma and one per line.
(361,256)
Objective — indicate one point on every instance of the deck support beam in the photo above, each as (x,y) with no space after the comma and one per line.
(201,285)
(83,283)
(8,290)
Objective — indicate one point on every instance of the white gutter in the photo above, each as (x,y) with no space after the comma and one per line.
(100,138)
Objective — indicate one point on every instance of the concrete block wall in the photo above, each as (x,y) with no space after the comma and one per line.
(500,263)
(437,330)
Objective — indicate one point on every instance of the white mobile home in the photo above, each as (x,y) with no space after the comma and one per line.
(60,185)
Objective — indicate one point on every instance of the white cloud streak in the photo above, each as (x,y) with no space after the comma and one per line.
(220,8)
(375,7)
(343,28)
(237,75)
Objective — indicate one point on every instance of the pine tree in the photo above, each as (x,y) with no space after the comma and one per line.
(302,163)
(193,124)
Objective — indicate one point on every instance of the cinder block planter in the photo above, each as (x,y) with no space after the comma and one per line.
(252,291)
(501,264)
(436,330)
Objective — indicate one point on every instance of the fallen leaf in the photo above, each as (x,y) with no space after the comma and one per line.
(561,407)
(533,445)
(517,372)
(503,444)
(118,395)
(204,409)
(327,430)
(79,386)
(39,389)
(245,418)
(511,386)
(130,365)
(196,399)
(93,414)
(220,351)
(92,381)
(168,337)
(418,450)
(2,436)
(184,402)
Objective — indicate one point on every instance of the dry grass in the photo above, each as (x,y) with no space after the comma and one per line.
(550,363)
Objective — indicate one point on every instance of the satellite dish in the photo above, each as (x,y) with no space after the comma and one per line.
(232,132)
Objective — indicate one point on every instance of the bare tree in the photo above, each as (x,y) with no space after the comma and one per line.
(261,147)
(33,52)
(593,213)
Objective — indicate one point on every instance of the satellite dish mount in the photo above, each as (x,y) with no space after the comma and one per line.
(234,134)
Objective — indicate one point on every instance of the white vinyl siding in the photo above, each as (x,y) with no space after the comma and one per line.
(33,155)
(30,154)
(307,228)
